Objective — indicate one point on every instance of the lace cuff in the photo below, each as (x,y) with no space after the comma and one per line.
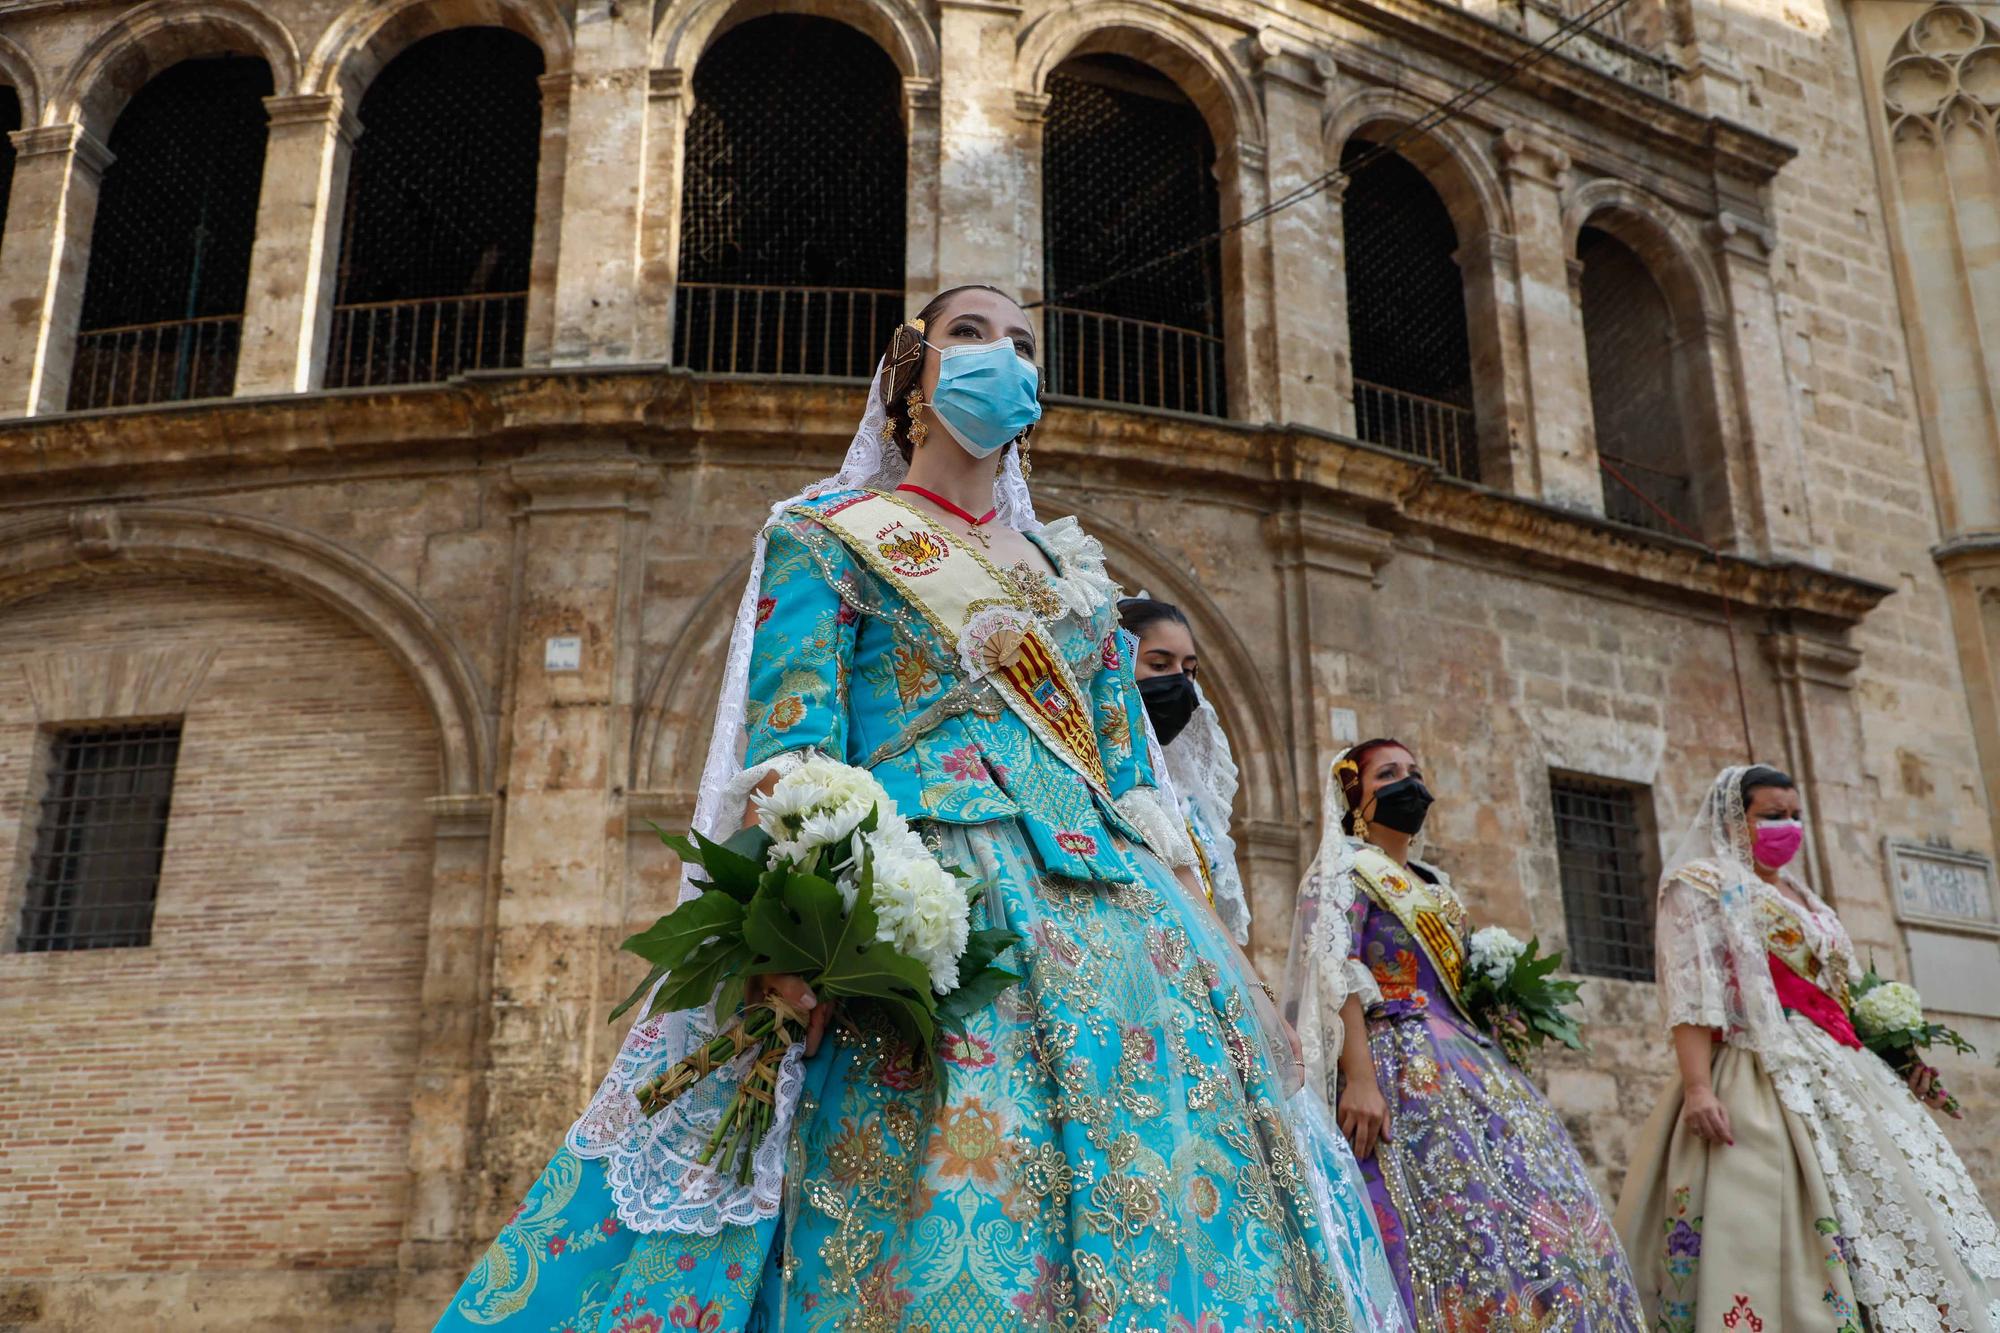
(1167,836)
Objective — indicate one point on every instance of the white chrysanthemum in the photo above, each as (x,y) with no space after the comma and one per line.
(816,805)
(1892,1006)
(920,907)
(1495,950)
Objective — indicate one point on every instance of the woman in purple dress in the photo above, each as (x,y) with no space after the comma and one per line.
(1490,1218)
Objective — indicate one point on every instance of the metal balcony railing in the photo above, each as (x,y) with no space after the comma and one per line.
(1137,362)
(1429,428)
(1672,491)
(753,329)
(132,364)
(426,340)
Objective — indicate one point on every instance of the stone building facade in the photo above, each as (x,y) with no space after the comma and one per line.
(438,640)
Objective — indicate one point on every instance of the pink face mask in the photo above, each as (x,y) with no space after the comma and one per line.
(1777,841)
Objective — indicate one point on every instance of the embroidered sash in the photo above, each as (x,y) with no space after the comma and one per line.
(950,583)
(1432,914)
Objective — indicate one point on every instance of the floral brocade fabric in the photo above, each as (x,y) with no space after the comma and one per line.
(1112,1148)
(1490,1219)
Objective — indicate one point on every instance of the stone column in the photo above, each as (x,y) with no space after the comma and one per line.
(979,148)
(1772,445)
(441,1238)
(660,216)
(1490,264)
(43,263)
(1031,117)
(597,263)
(1328,563)
(1313,378)
(579,543)
(921,225)
(1822,733)
(538,338)
(1250,376)
(1558,379)
(288,305)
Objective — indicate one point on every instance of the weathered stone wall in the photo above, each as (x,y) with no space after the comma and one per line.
(376,747)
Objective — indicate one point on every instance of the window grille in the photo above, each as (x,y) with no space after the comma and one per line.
(439,229)
(1128,173)
(792,203)
(1628,335)
(95,869)
(1406,315)
(170,247)
(1608,876)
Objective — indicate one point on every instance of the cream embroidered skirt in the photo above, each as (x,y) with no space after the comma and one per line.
(1807,1220)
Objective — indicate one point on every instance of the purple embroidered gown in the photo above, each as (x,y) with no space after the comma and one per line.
(1491,1220)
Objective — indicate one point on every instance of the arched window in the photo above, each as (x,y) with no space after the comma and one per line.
(1635,402)
(440,220)
(1406,314)
(1128,179)
(792,215)
(170,247)
(10,120)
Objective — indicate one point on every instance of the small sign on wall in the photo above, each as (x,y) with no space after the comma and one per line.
(563,653)
(1935,886)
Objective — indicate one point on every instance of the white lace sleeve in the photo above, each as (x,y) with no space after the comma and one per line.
(1693,958)
(1167,836)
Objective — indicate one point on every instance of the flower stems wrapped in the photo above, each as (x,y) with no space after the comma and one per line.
(833,887)
(1889,1019)
(1510,992)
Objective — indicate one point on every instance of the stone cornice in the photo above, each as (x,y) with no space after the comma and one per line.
(1365,495)
(1972,550)
(1615,107)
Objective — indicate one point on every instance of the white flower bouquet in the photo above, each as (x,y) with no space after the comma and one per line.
(1509,991)
(830,885)
(1889,1019)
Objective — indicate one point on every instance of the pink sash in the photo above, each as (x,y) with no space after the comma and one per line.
(1801,996)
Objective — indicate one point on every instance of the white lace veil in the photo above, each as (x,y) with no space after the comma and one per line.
(1709,943)
(1204,775)
(1318,979)
(872,461)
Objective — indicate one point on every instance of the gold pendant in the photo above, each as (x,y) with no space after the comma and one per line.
(978,533)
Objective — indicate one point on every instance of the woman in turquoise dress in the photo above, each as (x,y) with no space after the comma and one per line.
(1122,1142)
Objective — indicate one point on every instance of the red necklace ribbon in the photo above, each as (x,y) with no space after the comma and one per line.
(948,506)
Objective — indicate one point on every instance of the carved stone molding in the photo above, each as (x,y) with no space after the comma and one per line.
(462,816)
(1809,658)
(47,139)
(1533,157)
(583,483)
(1333,543)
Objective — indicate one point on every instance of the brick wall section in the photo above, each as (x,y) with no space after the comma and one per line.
(234,1099)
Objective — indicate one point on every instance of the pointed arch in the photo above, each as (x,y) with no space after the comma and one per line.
(1159,38)
(65,546)
(156,36)
(371,33)
(899,27)
(19,71)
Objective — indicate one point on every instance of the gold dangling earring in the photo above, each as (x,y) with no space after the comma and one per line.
(1027,466)
(918,430)
(1360,826)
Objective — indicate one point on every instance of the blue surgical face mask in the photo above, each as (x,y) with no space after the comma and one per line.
(986,394)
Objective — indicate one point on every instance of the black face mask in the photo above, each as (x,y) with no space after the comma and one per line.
(1402,806)
(1169,703)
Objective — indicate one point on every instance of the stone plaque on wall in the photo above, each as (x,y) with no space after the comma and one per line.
(1933,886)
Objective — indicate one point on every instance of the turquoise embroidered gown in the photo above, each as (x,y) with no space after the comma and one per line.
(1115,1150)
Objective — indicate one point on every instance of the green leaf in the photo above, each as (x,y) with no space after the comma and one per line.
(726,870)
(669,941)
(974,993)
(638,993)
(794,925)
(691,984)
